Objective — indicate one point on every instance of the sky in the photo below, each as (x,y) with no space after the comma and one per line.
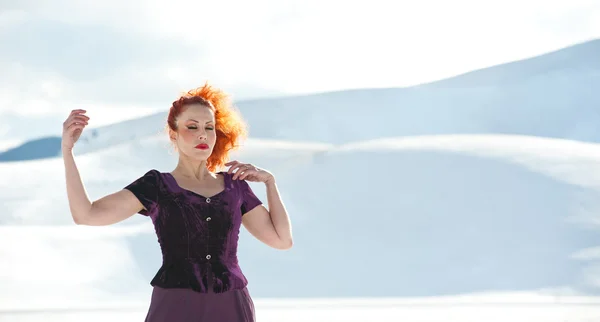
(123,59)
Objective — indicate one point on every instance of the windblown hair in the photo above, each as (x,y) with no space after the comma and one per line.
(229,127)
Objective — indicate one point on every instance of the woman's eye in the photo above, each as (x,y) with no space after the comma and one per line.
(210,128)
(192,127)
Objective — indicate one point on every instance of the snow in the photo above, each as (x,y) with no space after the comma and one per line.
(447,204)
(501,309)
(8,144)
(404,217)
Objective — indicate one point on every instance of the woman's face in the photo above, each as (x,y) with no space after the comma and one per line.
(195,136)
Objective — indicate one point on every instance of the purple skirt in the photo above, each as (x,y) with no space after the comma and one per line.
(185,305)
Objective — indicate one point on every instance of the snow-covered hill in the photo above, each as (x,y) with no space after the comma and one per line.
(420,216)
(552,95)
(478,184)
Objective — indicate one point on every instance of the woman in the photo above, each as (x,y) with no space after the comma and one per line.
(196,211)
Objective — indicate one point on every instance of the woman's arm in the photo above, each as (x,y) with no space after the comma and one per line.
(271,226)
(108,210)
(105,211)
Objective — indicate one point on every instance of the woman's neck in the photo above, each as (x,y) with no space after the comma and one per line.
(195,170)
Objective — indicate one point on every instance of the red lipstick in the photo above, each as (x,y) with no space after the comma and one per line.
(202,146)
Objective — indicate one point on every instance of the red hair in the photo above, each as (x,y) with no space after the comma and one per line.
(229,125)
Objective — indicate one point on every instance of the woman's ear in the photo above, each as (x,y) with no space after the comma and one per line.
(172,135)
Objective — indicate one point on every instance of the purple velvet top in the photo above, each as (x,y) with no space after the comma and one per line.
(198,236)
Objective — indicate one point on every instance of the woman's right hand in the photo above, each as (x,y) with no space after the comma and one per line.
(72,128)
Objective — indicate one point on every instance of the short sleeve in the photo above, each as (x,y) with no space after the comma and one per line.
(145,188)
(249,199)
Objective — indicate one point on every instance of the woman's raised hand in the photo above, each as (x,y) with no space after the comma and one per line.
(72,128)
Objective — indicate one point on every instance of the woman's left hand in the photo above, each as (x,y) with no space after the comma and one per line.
(249,172)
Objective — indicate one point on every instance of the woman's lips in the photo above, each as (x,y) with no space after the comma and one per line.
(202,146)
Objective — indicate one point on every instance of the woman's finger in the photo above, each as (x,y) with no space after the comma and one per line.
(75,126)
(81,119)
(232,162)
(75,117)
(76,121)
(235,167)
(242,170)
(247,173)
(77,111)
